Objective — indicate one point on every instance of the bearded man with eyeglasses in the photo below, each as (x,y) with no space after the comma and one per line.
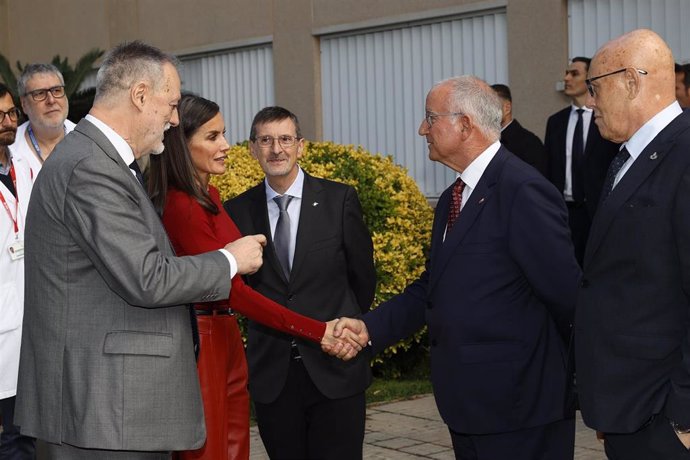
(16,180)
(41,89)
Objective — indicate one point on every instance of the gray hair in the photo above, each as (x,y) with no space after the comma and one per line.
(33,69)
(474,97)
(130,62)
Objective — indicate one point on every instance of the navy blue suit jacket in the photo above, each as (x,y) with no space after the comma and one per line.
(632,331)
(498,297)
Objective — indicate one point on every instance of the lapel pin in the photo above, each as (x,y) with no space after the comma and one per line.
(653,156)
(481,200)
(315,203)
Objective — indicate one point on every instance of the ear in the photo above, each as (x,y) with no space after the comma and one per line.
(300,148)
(139,94)
(632,83)
(23,102)
(465,124)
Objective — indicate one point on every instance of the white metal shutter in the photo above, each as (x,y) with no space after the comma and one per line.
(240,81)
(594,22)
(374,84)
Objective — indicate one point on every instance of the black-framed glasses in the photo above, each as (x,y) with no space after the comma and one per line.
(13,114)
(285,141)
(430,117)
(592,90)
(39,95)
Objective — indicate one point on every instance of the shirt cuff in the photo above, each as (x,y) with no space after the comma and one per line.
(231,260)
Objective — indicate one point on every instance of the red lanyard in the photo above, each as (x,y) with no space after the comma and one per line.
(7,208)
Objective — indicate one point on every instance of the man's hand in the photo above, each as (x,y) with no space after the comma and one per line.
(354,329)
(248,253)
(346,343)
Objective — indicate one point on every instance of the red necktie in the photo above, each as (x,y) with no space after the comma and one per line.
(455,203)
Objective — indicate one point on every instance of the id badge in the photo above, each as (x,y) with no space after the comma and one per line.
(16,250)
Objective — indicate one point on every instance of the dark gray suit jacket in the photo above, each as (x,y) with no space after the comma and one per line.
(332,275)
(102,366)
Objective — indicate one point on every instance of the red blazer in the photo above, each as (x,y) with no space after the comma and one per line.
(194,230)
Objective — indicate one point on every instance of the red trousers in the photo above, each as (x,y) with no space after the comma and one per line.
(223,377)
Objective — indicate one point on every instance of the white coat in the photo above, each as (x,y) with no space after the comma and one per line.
(12,278)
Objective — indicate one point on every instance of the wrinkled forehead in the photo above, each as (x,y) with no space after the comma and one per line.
(277,127)
(43,80)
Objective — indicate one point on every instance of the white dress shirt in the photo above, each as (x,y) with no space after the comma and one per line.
(643,136)
(569,134)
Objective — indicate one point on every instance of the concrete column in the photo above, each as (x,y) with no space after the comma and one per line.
(296,64)
(537,58)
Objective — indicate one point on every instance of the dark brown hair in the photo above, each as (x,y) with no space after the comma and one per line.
(174,168)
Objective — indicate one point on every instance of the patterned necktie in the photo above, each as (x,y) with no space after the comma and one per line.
(455,203)
(281,238)
(577,159)
(134,166)
(618,161)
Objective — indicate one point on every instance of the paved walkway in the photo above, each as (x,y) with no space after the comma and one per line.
(413,429)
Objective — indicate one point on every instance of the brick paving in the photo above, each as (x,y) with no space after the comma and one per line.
(408,430)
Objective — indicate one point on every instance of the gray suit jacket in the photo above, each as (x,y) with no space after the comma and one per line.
(103,365)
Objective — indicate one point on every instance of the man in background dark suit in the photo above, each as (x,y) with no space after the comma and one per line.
(577,164)
(309,405)
(633,307)
(520,141)
(498,292)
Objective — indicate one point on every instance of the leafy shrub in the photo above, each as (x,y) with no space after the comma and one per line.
(396,212)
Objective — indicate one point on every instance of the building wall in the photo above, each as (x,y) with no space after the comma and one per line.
(33,30)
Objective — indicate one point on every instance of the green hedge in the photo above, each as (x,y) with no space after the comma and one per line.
(396,212)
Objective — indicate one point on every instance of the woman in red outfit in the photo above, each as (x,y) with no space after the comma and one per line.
(194,218)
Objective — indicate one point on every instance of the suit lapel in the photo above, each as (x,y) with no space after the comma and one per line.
(310,221)
(650,158)
(480,197)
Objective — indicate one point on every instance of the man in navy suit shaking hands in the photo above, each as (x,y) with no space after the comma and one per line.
(498,292)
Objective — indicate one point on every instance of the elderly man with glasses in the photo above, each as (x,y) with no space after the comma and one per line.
(498,293)
(41,89)
(632,325)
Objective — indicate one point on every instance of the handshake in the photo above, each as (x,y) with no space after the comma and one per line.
(344,338)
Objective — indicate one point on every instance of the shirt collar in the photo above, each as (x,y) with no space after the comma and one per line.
(471,175)
(574,108)
(120,144)
(508,124)
(295,190)
(643,136)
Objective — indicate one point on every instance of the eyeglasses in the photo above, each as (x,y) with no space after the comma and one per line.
(592,90)
(13,114)
(39,95)
(430,117)
(285,141)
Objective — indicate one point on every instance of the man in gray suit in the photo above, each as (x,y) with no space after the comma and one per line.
(107,364)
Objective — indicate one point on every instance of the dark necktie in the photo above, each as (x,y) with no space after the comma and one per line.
(134,166)
(281,239)
(577,173)
(455,203)
(618,161)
